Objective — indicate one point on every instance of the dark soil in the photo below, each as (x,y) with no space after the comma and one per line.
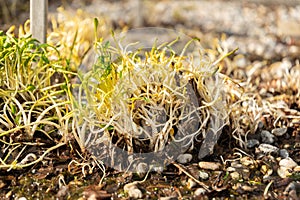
(265,34)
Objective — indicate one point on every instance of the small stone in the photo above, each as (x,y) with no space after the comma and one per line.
(288,163)
(199,191)
(297,169)
(248,188)
(284,172)
(293,186)
(142,169)
(246,161)
(62,192)
(209,165)
(129,186)
(168,198)
(279,131)
(184,158)
(283,153)
(22,198)
(235,176)
(291,190)
(252,143)
(267,148)
(191,183)
(267,137)
(135,193)
(236,165)
(203,175)
(230,169)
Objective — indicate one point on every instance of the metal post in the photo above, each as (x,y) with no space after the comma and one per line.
(38,19)
(139,13)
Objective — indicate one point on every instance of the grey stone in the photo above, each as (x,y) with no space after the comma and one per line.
(279,131)
(283,153)
(267,137)
(267,148)
(252,143)
(184,158)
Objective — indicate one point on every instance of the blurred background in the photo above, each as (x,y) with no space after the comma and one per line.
(259,28)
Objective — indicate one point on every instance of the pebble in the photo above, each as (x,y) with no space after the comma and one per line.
(248,188)
(236,165)
(184,158)
(246,161)
(291,190)
(209,165)
(288,163)
(252,143)
(230,169)
(135,193)
(286,167)
(297,169)
(168,198)
(267,148)
(292,186)
(142,169)
(235,176)
(191,183)
(199,191)
(203,175)
(62,192)
(22,198)
(284,172)
(279,131)
(283,153)
(267,137)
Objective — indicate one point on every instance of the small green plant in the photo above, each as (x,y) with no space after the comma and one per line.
(142,102)
(34,104)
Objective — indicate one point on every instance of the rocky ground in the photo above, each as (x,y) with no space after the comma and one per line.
(261,160)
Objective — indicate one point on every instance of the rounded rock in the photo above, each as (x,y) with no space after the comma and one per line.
(283,153)
(135,193)
(279,131)
(209,165)
(191,183)
(142,169)
(184,158)
(297,169)
(252,143)
(267,148)
(199,191)
(168,198)
(203,175)
(284,172)
(288,163)
(267,137)
(235,176)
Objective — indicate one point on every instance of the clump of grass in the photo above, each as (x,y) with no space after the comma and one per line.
(34,108)
(144,103)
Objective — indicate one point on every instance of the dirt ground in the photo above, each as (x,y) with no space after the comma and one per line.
(267,35)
